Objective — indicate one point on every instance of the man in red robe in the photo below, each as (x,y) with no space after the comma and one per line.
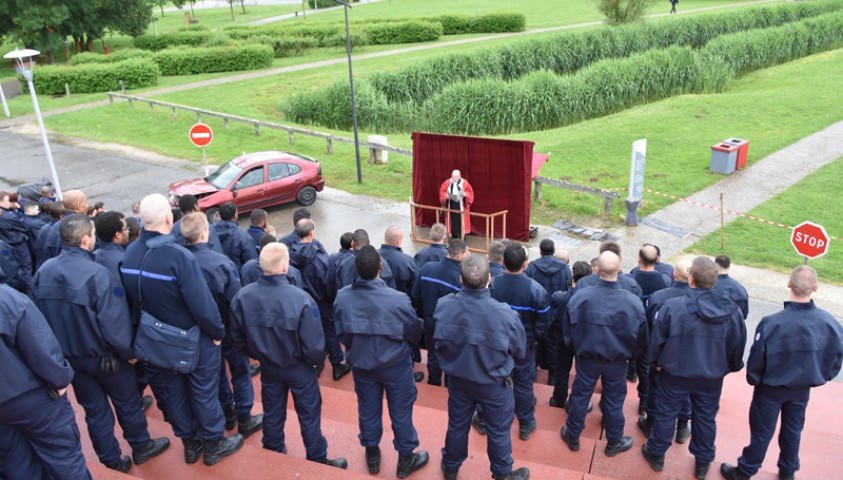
(456,194)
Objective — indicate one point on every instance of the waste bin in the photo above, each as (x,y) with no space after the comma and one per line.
(743,150)
(724,157)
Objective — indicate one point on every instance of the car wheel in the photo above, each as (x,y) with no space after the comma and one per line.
(213,214)
(306,196)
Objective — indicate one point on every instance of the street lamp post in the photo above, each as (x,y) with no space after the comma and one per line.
(346,6)
(26,70)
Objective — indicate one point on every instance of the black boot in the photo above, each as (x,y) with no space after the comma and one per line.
(418,377)
(448,474)
(479,423)
(407,464)
(645,424)
(614,448)
(192,449)
(222,447)
(123,465)
(683,430)
(656,463)
(521,474)
(146,402)
(230,418)
(731,472)
(152,448)
(250,426)
(701,470)
(373,459)
(337,462)
(341,370)
(254,370)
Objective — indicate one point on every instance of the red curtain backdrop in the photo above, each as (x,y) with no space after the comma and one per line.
(499,170)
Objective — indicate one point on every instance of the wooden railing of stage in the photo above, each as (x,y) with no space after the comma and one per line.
(490,219)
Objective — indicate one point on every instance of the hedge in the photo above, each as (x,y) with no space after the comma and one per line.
(189,61)
(403,32)
(165,40)
(94,77)
(117,56)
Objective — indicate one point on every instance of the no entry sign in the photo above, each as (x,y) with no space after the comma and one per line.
(810,240)
(201,135)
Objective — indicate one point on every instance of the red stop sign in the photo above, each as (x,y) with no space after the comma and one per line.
(810,240)
(201,135)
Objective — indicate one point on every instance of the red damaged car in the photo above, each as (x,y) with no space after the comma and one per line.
(256,180)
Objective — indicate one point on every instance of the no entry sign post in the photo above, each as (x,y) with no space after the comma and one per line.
(201,135)
(810,240)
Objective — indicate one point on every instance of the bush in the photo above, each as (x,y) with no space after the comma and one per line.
(338,40)
(455,24)
(623,11)
(498,23)
(194,28)
(165,40)
(118,56)
(286,46)
(218,40)
(325,3)
(403,32)
(190,61)
(94,77)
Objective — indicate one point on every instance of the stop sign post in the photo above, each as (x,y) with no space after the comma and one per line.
(810,240)
(201,135)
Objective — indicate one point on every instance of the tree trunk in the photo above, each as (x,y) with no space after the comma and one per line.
(243,6)
(231,4)
(89,44)
(162,9)
(192,13)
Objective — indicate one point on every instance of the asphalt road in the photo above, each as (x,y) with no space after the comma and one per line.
(119,179)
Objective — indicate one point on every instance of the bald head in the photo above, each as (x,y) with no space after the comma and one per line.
(156,213)
(608,266)
(275,259)
(394,235)
(75,201)
(803,282)
(647,257)
(455,176)
(680,270)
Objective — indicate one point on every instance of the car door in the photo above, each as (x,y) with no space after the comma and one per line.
(281,185)
(248,190)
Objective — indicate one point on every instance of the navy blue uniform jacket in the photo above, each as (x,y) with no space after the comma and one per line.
(236,243)
(436,279)
(700,335)
(84,305)
(799,347)
(338,257)
(496,269)
(527,298)
(30,355)
(605,323)
(221,276)
(213,237)
(14,232)
(730,288)
(174,289)
(478,338)
(317,270)
(377,324)
(432,253)
(657,299)
(256,233)
(277,323)
(625,281)
(347,272)
(551,273)
(404,268)
(251,271)
(110,255)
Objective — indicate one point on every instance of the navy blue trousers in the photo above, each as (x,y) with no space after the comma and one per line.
(652,374)
(671,394)
(93,389)
(276,384)
(39,438)
(400,388)
(332,343)
(523,377)
(613,378)
(498,404)
(563,361)
(764,410)
(243,396)
(193,405)
(434,371)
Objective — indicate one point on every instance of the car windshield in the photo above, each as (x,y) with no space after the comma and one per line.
(224,175)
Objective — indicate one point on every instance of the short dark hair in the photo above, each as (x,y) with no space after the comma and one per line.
(228,211)
(345,240)
(580,269)
(474,271)
(73,227)
(257,216)
(547,247)
(304,227)
(704,272)
(108,225)
(177,214)
(266,240)
(724,261)
(299,214)
(360,238)
(456,247)
(187,203)
(610,246)
(496,250)
(134,227)
(368,262)
(514,257)
(54,209)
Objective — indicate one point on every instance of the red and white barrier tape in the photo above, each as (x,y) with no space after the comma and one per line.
(712,207)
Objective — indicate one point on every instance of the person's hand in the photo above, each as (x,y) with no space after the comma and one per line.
(133,361)
(61,391)
(217,342)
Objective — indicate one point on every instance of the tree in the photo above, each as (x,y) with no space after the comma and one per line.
(160,4)
(36,23)
(623,11)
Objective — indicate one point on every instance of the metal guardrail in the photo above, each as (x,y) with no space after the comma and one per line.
(607,195)
(257,124)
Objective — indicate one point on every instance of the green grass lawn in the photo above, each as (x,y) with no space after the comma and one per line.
(757,244)
(218,18)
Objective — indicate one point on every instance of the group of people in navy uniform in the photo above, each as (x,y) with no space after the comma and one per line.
(70,311)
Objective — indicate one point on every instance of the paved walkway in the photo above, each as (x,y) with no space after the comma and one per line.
(287,16)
